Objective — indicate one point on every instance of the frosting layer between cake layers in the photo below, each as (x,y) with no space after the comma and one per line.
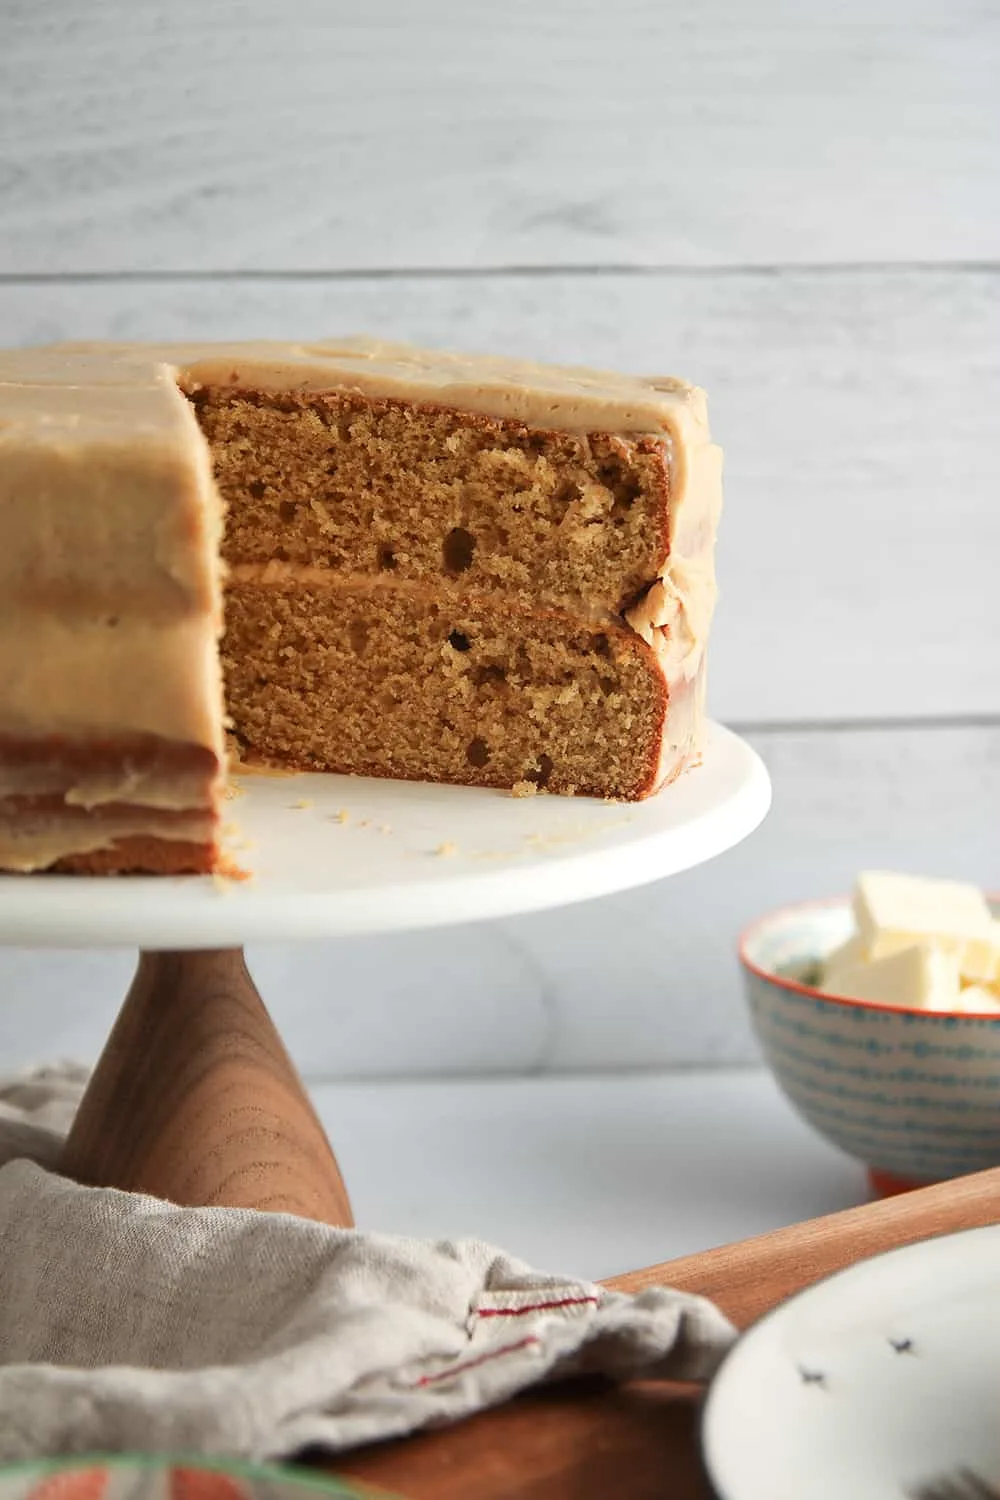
(110,580)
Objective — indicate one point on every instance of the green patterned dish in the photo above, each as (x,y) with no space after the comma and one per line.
(171,1477)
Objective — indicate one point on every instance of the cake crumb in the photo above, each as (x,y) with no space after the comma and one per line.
(340,816)
(384,828)
(261,768)
(524,789)
(448,848)
(227,872)
(303,802)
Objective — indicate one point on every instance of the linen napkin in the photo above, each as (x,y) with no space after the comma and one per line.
(127,1323)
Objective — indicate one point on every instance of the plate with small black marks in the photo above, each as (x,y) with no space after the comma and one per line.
(875,1384)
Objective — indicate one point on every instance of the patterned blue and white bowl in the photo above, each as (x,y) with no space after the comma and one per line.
(914,1094)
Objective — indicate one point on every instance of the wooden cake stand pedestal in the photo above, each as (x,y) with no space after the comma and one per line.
(195,1099)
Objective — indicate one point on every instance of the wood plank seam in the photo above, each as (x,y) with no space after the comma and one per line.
(489,273)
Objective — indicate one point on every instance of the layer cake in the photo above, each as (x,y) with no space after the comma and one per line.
(358,557)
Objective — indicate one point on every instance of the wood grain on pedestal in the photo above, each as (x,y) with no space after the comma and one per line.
(195,1099)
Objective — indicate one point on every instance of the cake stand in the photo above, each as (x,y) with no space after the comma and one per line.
(194,1098)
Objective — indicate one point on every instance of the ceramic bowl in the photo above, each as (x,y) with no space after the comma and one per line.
(913,1094)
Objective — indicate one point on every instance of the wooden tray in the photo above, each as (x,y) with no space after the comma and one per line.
(589,1440)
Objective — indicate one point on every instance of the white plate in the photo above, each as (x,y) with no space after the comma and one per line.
(881,1378)
(333,855)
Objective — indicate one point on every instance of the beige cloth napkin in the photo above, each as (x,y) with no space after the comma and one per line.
(129,1323)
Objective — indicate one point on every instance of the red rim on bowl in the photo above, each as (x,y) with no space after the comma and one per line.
(796,987)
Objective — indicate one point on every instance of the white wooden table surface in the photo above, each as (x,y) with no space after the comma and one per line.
(589,1176)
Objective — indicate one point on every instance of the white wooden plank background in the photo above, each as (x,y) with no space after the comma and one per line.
(795,204)
(857,409)
(326,134)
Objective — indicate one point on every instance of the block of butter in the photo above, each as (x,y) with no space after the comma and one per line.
(894,912)
(993,976)
(922,976)
(850,952)
(976,999)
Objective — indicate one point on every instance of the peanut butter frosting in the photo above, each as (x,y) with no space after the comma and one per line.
(110,575)
(110,598)
(35,842)
(545,396)
(111,532)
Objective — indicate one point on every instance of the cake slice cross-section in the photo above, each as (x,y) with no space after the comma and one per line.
(420,565)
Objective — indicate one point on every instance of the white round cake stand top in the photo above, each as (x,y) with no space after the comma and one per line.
(332,856)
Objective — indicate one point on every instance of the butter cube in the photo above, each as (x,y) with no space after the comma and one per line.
(980,962)
(976,998)
(921,977)
(896,911)
(850,952)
